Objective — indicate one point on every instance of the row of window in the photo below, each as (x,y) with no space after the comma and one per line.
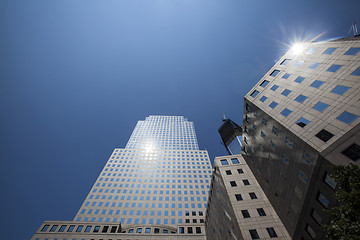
(225,162)
(240,198)
(254,234)
(130,220)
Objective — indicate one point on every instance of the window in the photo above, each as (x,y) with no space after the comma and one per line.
(240,171)
(53,228)
(352,51)
(352,152)
(45,228)
(261,212)
(235,160)
(62,228)
(263,99)
(286,76)
(334,68)
(254,93)
(347,117)
(299,79)
(324,135)
(264,83)
(286,112)
(139,230)
(316,216)
(323,200)
(233,183)
(285,62)
(252,195)
(245,213)
(131,231)
(71,228)
(88,228)
(147,230)
(301,98)
(317,84)
(79,228)
(238,197)
(329,51)
(228,172)
(198,230)
(329,181)
(320,106)
(356,72)
(190,230)
(165,231)
(224,162)
(273,104)
(314,65)
(274,87)
(105,228)
(157,230)
(96,229)
(274,73)
(286,92)
(340,90)
(311,51)
(310,231)
(181,230)
(254,234)
(299,63)
(302,122)
(246,182)
(271,232)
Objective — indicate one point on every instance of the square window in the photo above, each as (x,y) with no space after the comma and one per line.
(334,68)
(264,83)
(299,79)
(347,117)
(310,231)
(228,172)
(324,135)
(261,212)
(329,51)
(245,213)
(224,162)
(139,230)
(299,63)
(301,98)
(233,183)
(316,216)
(285,62)
(246,182)
(147,230)
(356,72)
(317,84)
(274,73)
(271,232)
(340,90)
(311,51)
(314,65)
(240,171)
(238,197)
(254,234)
(320,106)
(53,228)
(352,51)
(263,99)
(286,76)
(286,112)
(273,104)
(329,181)
(45,228)
(252,195)
(235,160)
(286,92)
(254,93)
(302,122)
(274,87)
(352,152)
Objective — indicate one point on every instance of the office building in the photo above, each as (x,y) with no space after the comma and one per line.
(156,187)
(302,116)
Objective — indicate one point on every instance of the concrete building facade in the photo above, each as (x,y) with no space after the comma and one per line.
(302,116)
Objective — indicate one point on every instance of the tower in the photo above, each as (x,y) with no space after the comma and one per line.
(157,185)
(302,116)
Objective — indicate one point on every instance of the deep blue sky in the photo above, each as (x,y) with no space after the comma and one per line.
(76,76)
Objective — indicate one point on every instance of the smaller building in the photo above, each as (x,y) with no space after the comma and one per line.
(237,206)
(230,134)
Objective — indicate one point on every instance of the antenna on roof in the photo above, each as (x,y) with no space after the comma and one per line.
(224,118)
(354,28)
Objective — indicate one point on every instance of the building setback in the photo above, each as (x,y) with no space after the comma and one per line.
(302,116)
(156,186)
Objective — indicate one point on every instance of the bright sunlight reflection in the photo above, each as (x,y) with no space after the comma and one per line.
(297,48)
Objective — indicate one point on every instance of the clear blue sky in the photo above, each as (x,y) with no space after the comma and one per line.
(76,76)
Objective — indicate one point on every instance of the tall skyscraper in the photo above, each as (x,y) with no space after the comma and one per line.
(157,184)
(302,116)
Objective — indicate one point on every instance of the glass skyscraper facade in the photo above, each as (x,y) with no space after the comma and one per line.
(160,177)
